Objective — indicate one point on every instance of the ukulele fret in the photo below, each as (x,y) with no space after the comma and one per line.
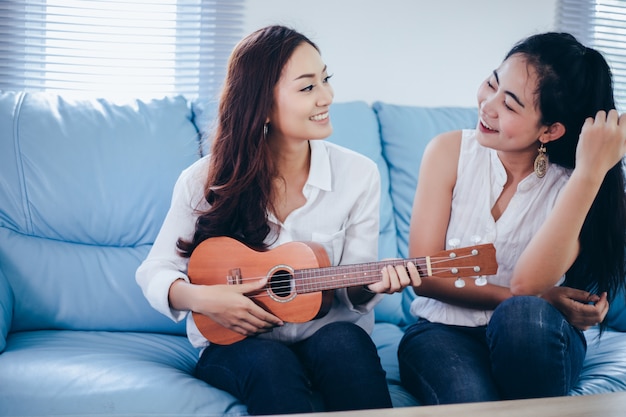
(331,278)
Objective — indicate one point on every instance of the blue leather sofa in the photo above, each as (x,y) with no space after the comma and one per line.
(84,186)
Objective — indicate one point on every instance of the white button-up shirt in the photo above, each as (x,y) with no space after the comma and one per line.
(341,213)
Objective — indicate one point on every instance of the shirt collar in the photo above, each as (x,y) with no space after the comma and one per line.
(528,183)
(320,174)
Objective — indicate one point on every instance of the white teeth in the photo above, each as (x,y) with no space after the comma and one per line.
(486,125)
(319,117)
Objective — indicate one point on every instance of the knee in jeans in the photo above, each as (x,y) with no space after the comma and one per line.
(343,341)
(526,309)
(522,320)
(344,334)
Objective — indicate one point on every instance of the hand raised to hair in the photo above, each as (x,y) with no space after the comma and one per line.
(602,143)
(581,308)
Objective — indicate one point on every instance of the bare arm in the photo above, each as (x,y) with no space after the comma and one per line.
(554,248)
(429,223)
(225,304)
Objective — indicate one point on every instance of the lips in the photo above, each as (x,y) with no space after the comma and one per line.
(486,127)
(319,117)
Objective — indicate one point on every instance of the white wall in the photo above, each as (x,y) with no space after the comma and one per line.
(414,52)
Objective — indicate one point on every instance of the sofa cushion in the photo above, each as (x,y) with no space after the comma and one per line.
(6,309)
(387,337)
(106,373)
(65,285)
(73,168)
(405,131)
(88,183)
(605,364)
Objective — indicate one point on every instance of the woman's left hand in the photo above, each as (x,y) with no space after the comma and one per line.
(581,308)
(602,142)
(396,278)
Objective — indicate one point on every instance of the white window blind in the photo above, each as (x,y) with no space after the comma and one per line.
(600,24)
(121,48)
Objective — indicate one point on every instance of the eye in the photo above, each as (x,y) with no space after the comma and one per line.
(308,88)
(327,78)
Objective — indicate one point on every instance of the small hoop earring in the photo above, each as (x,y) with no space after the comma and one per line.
(266,128)
(541,162)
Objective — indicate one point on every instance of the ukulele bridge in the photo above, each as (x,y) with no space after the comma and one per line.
(280,285)
(234,277)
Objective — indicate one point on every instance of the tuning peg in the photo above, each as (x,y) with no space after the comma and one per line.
(480,281)
(454,243)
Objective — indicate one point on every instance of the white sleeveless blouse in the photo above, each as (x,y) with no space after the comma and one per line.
(480,180)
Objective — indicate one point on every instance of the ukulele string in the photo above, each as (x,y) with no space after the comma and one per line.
(287,287)
(372,269)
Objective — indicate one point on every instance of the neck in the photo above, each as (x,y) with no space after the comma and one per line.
(517,166)
(293,160)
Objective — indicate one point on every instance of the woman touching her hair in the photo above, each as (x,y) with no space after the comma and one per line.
(540,177)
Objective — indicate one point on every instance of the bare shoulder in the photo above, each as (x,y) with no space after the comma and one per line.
(442,152)
(446,142)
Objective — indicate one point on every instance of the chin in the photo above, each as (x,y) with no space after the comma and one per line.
(322,133)
(484,140)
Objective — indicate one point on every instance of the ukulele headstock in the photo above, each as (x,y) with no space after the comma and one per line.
(478,260)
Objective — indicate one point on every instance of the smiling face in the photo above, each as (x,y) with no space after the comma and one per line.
(302,98)
(509,118)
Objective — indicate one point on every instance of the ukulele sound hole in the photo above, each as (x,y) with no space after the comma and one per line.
(280,286)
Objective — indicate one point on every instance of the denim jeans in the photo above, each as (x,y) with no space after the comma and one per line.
(339,361)
(528,350)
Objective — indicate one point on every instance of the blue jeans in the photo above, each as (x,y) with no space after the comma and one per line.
(339,361)
(528,350)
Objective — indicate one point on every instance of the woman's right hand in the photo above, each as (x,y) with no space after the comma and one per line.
(229,305)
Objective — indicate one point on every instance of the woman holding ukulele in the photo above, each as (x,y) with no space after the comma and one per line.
(269,180)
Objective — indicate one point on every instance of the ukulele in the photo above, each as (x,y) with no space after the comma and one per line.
(301,280)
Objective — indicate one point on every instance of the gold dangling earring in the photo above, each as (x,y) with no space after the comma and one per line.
(541,162)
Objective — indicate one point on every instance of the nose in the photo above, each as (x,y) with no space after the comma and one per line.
(326,95)
(487,107)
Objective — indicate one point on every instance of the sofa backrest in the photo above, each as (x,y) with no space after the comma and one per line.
(86,183)
(405,131)
(84,186)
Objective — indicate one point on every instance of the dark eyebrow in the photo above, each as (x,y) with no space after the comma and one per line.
(509,93)
(309,75)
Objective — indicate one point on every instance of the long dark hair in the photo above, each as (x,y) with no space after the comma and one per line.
(239,183)
(575,82)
